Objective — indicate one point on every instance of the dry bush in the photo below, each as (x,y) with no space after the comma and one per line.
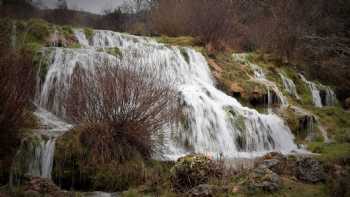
(17,82)
(211,21)
(123,109)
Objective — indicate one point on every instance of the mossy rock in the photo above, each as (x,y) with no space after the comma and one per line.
(190,171)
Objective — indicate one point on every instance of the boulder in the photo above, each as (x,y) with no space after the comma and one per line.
(274,161)
(205,190)
(264,179)
(347,103)
(190,171)
(310,170)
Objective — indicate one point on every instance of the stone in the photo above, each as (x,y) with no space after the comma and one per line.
(205,190)
(190,171)
(264,179)
(347,103)
(274,161)
(310,170)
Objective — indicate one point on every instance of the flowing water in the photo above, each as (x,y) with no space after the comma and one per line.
(216,123)
(321,95)
(274,95)
(289,86)
(14,35)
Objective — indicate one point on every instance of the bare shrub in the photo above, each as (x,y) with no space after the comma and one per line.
(122,108)
(17,81)
(211,21)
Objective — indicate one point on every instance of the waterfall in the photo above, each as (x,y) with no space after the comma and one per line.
(289,85)
(274,95)
(216,123)
(321,95)
(14,35)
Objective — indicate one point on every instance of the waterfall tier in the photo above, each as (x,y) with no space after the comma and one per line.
(215,122)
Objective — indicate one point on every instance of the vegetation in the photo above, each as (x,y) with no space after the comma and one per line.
(17,79)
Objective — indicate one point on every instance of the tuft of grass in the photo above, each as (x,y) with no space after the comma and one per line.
(179,41)
(89,33)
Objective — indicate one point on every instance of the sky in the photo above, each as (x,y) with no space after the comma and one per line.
(94,6)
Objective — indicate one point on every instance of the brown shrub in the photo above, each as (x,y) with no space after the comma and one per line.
(122,110)
(17,82)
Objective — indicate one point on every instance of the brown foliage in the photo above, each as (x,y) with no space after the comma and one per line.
(17,82)
(122,109)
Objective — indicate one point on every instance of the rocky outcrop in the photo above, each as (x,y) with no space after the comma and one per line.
(310,170)
(262,178)
(304,168)
(191,171)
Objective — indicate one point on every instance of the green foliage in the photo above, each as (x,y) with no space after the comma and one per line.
(115,51)
(330,152)
(67,31)
(179,41)
(37,30)
(89,33)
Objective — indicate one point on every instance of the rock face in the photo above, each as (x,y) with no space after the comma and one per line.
(305,169)
(191,171)
(347,103)
(310,170)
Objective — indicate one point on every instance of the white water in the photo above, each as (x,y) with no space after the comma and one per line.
(14,35)
(275,96)
(329,98)
(289,85)
(217,123)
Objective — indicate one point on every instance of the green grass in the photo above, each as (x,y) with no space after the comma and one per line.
(89,33)
(179,41)
(330,152)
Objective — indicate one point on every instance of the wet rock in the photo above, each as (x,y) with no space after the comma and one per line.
(264,179)
(310,170)
(205,190)
(190,171)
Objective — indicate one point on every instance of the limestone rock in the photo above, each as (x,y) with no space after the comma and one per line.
(190,171)
(264,179)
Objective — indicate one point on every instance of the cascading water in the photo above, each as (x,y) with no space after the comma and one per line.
(273,92)
(14,35)
(216,122)
(321,95)
(289,85)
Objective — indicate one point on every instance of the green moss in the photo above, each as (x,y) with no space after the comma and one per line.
(115,51)
(38,30)
(330,152)
(67,31)
(179,41)
(89,33)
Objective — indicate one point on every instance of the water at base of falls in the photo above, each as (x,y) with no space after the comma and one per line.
(216,123)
